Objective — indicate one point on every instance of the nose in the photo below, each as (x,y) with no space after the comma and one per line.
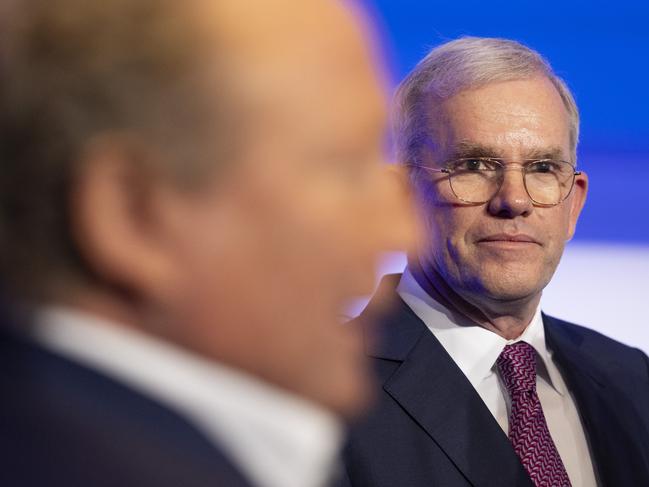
(393,210)
(381,219)
(512,199)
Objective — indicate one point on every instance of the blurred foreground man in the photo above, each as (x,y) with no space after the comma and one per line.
(480,388)
(190,192)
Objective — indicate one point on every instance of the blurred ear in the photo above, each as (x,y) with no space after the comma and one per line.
(577,201)
(116,216)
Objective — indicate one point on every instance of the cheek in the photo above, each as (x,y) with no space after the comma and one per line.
(305,242)
(447,226)
(555,225)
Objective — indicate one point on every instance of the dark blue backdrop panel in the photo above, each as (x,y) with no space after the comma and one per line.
(600,48)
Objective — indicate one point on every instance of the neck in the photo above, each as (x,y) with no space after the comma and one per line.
(505,318)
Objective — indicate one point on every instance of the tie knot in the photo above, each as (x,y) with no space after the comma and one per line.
(517,365)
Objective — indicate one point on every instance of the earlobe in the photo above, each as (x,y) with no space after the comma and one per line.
(112,219)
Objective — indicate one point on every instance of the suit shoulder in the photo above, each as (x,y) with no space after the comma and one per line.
(587,335)
(600,347)
(63,424)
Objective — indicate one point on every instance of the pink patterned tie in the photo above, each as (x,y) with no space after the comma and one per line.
(528,430)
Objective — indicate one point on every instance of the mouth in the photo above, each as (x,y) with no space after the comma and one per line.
(509,240)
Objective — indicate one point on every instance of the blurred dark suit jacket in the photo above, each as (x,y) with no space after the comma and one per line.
(431,428)
(64,425)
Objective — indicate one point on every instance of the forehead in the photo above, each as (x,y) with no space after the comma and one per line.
(517,119)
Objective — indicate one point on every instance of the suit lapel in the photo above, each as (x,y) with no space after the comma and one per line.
(616,435)
(436,394)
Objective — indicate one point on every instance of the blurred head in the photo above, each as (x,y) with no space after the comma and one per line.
(207,171)
(488,98)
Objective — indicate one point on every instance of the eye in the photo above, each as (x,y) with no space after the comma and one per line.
(475,164)
(544,167)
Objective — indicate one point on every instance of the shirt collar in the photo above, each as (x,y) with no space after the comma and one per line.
(277,438)
(473,348)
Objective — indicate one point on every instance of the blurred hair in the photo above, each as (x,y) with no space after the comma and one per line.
(463,64)
(71,70)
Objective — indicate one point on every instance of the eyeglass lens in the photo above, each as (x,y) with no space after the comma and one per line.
(477,181)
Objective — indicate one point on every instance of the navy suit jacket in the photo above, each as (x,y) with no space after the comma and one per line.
(64,425)
(430,427)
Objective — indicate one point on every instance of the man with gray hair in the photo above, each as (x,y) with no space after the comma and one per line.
(479,387)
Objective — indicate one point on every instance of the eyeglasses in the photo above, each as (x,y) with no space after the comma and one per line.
(477,180)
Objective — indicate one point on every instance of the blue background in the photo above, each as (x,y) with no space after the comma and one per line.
(600,48)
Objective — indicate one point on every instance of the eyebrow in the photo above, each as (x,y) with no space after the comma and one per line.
(465,148)
(546,153)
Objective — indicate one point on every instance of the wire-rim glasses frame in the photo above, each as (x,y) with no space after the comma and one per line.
(548,182)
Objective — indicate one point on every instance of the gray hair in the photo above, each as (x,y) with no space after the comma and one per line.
(462,64)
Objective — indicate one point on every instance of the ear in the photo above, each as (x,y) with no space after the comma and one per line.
(577,201)
(115,219)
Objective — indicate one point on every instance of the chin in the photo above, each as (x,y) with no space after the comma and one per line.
(331,370)
(350,396)
(510,282)
(511,289)
(510,295)
(343,383)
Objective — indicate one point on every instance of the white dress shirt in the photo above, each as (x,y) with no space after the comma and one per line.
(475,351)
(276,438)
